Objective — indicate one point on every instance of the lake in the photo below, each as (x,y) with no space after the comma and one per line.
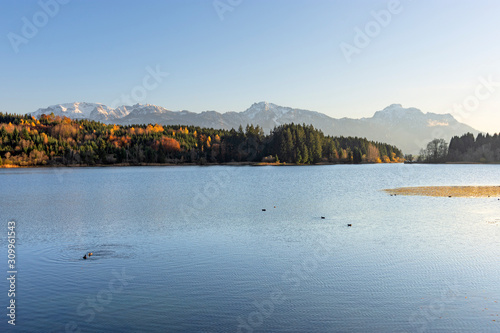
(190,249)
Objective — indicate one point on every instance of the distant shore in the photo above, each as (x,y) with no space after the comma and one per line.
(448,191)
(452,163)
(10,166)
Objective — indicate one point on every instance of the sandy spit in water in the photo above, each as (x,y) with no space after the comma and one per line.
(448,191)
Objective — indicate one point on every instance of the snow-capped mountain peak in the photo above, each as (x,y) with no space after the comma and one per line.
(397,111)
(143,109)
(77,110)
(98,111)
(267,108)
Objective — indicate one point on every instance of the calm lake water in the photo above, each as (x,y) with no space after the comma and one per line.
(190,249)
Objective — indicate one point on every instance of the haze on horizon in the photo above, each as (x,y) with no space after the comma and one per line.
(344,59)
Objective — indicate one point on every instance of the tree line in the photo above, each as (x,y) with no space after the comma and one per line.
(465,148)
(55,140)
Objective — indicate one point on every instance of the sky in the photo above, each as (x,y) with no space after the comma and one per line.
(341,58)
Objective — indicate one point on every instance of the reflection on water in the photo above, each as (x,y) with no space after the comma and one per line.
(189,249)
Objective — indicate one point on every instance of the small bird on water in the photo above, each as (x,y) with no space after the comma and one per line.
(85,256)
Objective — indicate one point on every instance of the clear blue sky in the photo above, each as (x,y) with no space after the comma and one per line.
(430,55)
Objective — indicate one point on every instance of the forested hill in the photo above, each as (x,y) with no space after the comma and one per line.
(54,140)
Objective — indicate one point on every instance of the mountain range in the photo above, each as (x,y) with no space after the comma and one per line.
(407,128)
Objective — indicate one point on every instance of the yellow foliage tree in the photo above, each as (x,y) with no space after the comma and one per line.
(114,129)
(373,154)
(158,128)
(395,159)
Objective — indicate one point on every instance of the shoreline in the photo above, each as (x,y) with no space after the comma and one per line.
(452,163)
(10,166)
(99,165)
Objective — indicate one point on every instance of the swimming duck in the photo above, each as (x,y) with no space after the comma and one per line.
(85,256)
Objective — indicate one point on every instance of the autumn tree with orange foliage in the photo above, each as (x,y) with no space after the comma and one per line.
(170,145)
(64,131)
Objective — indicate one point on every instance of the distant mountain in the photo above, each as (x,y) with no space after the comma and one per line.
(93,111)
(407,128)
